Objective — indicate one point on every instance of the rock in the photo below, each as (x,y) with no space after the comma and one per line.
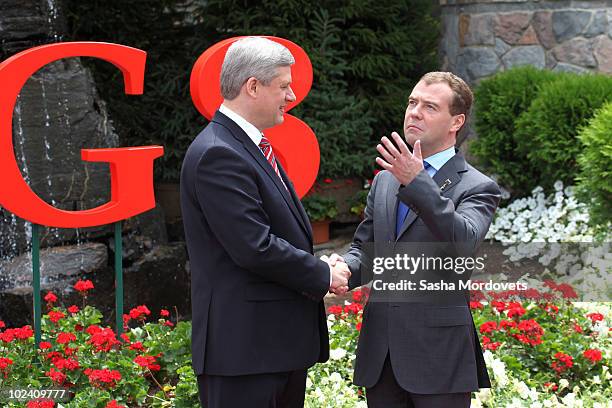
(577,51)
(159,279)
(510,27)
(501,47)
(529,37)
(568,24)
(478,29)
(60,268)
(542,24)
(598,24)
(476,62)
(563,67)
(603,54)
(525,55)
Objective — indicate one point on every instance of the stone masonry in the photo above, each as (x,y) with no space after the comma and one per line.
(482,37)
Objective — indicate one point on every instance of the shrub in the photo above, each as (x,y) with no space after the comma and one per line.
(595,178)
(499,101)
(364,60)
(320,208)
(548,131)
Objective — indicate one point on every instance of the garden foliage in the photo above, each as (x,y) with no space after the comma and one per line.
(527,123)
(595,160)
(365,63)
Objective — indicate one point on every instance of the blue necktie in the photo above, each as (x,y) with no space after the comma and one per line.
(402,209)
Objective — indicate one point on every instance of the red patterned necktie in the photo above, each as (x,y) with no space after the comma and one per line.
(266,148)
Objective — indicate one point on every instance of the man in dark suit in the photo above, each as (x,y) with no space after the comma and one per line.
(421,349)
(257,289)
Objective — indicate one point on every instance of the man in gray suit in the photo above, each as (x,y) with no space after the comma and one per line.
(422,350)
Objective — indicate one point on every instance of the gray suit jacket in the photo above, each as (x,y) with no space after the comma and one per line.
(432,342)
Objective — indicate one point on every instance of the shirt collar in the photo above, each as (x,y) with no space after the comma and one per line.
(439,159)
(252,132)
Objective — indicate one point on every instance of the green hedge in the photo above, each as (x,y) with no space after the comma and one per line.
(548,130)
(595,160)
(365,63)
(499,101)
(527,122)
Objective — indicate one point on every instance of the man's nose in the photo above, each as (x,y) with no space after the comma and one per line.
(290,97)
(414,111)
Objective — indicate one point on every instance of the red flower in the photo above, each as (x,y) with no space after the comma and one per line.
(592,354)
(140,312)
(376,171)
(104,378)
(103,340)
(567,291)
(477,296)
(78,327)
(499,306)
(147,362)
(65,338)
(595,317)
(50,297)
(551,309)
(531,332)
(507,324)
(551,386)
(335,310)
(562,362)
(55,316)
(83,286)
(54,356)
(577,328)
(40,403)
(353,308)
(69,364)
(114,404)
(93,329)
(22,333)
(125,337)
(328,180)
(488,345)
(164,313)
(475,305)
(56,376)
(515,309)
(488,327)
(532,293)
(2,325)
(4,366)
(357,296)
(358,326)
(44,345)
(168,323)
(137,346)
(73,309)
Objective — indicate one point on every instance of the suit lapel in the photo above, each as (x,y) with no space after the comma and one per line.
(297,204)
(391,202)
(446,178)
(259,158)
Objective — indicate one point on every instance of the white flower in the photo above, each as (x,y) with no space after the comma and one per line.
(563,383)
(335,377)
(337,354)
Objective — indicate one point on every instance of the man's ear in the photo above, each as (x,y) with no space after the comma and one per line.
(458,121)
(251,86)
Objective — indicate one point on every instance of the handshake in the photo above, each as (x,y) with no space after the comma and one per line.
(340,273)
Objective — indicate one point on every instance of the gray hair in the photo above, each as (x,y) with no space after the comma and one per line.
(251,57)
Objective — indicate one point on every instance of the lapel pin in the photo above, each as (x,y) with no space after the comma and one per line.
(446,183)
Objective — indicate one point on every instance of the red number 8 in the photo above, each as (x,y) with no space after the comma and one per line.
(294,142)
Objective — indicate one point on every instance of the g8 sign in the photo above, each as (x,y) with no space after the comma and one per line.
(131,168)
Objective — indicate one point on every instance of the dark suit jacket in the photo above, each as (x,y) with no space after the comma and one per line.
(256,288)
(433,345)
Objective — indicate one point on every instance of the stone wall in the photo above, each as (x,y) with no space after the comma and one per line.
(482,37)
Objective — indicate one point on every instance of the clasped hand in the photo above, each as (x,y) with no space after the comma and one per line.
(340,273)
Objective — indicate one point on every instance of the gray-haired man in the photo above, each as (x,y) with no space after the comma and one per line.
(257,290)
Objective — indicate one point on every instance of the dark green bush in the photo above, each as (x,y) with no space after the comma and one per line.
(499,101)
(595,160)
(366,54)
(547,132)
